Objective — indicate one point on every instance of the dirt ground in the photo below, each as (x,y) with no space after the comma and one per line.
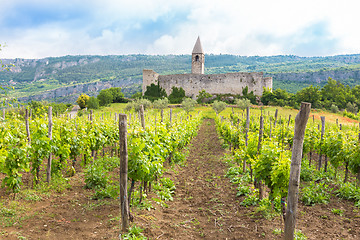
(205,206)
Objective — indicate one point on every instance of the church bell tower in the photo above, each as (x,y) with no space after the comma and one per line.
(198,58)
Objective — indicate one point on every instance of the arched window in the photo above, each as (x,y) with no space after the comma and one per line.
(196,58)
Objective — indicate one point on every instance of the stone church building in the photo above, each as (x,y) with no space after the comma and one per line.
(196,81)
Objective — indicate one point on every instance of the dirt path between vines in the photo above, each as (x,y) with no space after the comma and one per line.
(205,205)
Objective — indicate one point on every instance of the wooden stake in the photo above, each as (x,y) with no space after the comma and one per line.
(48,169)
(27,125)
(260,184)
(246,133)
(124,205)
(276,115)
(289,120)
(321,139)
(294,180)
(162,115)
(142,116)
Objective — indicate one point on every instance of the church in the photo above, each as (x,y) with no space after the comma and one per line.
(196,81)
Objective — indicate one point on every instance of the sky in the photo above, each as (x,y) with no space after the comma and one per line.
(51,28)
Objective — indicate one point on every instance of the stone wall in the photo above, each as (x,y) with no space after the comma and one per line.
(149,77)
(229,83)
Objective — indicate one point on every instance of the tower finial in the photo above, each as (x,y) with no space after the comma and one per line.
(198,47)
(198,58)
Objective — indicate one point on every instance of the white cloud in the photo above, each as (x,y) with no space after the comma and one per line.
(258,27)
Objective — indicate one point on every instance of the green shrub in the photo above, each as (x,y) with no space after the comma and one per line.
(334,108)
(161,103)
(96,176)
(93,103)
(203,96)
(176,95)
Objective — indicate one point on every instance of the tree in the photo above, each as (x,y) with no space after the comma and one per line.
(267,97)
(82,100)
(218,106)
(309,94)
(334,92)
(249,95)
(154,92)
(118,96)
(243,103)
(188,104)
(136,95)
(105,97)
(93,103)
(176,95)
(203,96)
(351,107)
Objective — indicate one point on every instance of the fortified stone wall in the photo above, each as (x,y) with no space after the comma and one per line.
(229,83)
(149,77)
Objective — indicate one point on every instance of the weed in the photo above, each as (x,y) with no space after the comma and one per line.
(339,212)
(243,190)
(277,231)
(251,199)
(29,195)
(110,191)
(135,233)
(165,188)
(299,235)
(348,191)
(315,193)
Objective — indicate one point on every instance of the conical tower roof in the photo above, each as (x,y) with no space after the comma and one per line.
(198,47)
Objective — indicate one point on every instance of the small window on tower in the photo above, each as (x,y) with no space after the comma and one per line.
(196,58)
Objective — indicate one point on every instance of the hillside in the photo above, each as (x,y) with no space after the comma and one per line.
(71,75)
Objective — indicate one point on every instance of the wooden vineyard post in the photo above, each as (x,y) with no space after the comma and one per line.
(48,169)
(321,139)
(124,205)
(289,120)
(246,134)
(270,118)
(162,115)
(142,118)
(276,115)
(294,180)
(27,125)
(259,183)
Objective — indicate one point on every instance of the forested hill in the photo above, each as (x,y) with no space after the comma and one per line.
(92,73)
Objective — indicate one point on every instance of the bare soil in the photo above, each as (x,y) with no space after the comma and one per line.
(205,206)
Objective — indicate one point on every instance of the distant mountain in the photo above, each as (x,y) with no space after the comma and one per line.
(64,78)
